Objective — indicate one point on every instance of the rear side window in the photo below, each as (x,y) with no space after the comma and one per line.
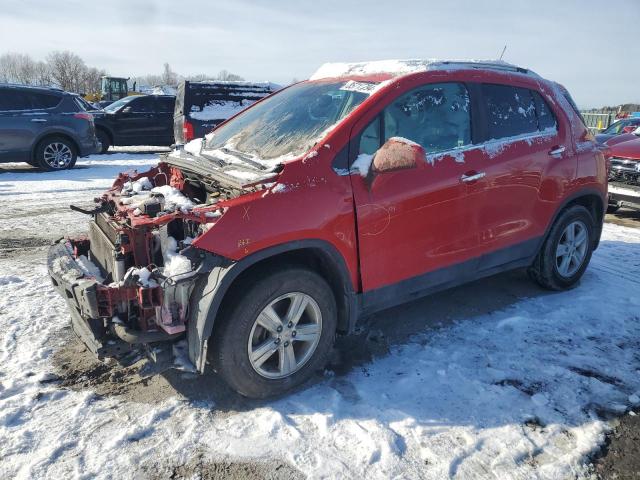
(45,100)
(13,99)
(436,116)
(510,111)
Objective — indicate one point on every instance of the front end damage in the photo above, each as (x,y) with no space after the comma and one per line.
(128,283)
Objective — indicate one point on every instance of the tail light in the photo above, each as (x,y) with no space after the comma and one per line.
(84,116)
(187,131)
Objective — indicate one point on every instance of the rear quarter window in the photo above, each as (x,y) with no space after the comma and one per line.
(45,100)
(546,117)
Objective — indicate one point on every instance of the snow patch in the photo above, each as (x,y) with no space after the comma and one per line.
(174,199)
(398,67)
(362,164)
(174,263)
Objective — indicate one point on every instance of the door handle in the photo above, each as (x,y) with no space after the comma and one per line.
(472,177)
(558,150)
(38,120)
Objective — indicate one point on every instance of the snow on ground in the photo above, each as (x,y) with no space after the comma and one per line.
(518,393)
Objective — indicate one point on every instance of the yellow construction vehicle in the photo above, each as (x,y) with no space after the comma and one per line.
(111,89)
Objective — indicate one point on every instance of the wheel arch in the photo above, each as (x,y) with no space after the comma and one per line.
(53,133)
(592,200)
(317,255)
(107,131)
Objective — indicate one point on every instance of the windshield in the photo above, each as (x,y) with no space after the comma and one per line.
(113,107)
(84,104)
(291,121)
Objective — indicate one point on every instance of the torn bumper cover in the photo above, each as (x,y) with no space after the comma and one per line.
(92,305)
(80,292)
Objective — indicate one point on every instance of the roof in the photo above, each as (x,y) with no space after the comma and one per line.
(32,87)
(398,68)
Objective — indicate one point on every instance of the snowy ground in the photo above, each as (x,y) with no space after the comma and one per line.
(491,383)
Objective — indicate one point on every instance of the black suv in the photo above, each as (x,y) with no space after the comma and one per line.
(45,127)
(136,120)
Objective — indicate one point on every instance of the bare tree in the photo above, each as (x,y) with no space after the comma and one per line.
(67,70)
(18,68)
(228,76)
(91,80)
(169,77)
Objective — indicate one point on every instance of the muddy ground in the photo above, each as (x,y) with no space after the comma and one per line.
(620,457)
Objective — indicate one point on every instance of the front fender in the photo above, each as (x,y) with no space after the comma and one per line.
(210,291)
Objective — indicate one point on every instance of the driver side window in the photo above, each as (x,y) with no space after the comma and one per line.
(436,116)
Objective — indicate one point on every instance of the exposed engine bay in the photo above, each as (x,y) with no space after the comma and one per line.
(139,254)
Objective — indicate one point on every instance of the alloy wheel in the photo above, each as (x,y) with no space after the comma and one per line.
(285,335)
(572,249)
(58,155)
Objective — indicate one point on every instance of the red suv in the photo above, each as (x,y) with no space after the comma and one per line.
(366,186)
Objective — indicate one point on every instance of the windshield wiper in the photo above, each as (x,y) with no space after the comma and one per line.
(244,157)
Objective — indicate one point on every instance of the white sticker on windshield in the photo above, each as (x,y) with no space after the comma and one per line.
(362,87)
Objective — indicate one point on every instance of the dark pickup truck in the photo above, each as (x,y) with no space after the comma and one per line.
(202,106)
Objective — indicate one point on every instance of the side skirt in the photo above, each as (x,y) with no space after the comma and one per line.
(509,258)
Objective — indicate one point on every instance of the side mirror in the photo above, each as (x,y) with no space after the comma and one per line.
(126,110)
(629,129)
(397,153)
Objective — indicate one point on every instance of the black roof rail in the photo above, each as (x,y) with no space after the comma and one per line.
(498,65)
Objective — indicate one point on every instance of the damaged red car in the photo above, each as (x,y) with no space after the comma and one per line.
(368,185)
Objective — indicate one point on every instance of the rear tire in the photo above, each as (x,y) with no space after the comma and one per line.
(256,349)
(567,250)
(104,140)
(55,153)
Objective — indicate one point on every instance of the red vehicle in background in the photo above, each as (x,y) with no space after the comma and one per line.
(624,173)
(368,185)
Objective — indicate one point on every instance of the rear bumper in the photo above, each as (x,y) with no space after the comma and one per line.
(89,147)
(81,294)
(624,195)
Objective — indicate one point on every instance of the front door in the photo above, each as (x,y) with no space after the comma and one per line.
(419,226)
(136,124)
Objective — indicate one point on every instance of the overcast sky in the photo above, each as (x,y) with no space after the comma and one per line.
(587,45)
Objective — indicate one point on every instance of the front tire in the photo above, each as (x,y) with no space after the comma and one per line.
(276,332)
(55,153)
(566,252)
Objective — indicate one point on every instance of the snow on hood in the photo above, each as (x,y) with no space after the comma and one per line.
(398,67)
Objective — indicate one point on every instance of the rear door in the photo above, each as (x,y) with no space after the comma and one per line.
(418,226)
(164,118)
(527,154)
